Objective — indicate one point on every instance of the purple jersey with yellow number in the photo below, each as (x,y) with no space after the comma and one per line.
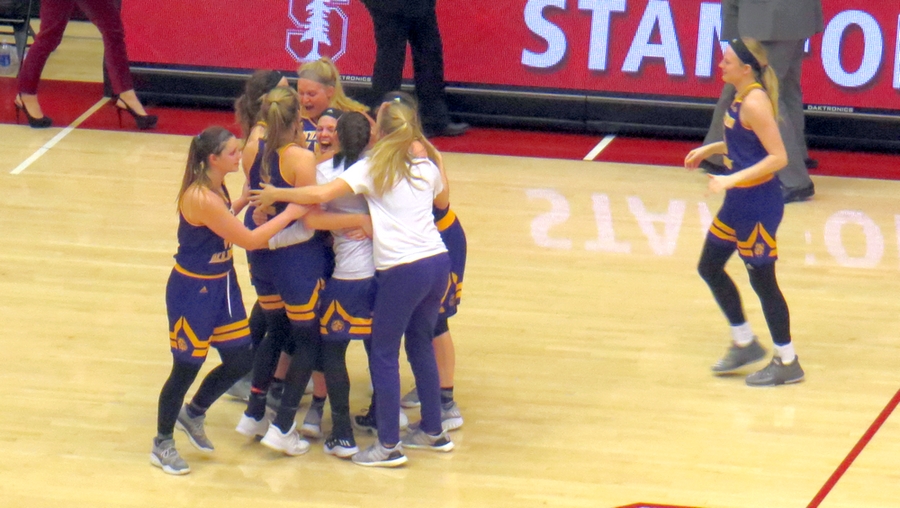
(309,134)
(752,211)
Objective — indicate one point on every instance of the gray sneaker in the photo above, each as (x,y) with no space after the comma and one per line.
(738,356)
(312,423)
(451,418)
(419,439)
(193,427)
(165,456)
(776,373)
(411,399)
(379,456)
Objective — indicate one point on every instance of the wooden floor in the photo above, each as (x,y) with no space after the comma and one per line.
(584,343)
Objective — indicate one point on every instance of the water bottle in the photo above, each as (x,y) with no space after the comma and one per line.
(6,59)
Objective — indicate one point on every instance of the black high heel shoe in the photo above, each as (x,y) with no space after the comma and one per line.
(144,122)
(35,123)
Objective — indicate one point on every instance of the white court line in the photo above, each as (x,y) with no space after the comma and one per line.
(599,148)
(56,139)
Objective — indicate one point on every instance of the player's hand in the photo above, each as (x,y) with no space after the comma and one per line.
(263,197)
(720,183)
(694,158)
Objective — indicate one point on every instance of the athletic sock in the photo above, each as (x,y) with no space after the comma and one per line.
(786,352)
(193,410)
(741,334)
(446,396)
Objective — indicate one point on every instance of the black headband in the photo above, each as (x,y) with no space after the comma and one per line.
(332,112)
(745,55)
(272,79)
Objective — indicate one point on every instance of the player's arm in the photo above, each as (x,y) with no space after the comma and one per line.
(758,115)
(205,207)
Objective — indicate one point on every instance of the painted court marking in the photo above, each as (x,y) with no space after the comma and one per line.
(56,139)
(863,441)
(599,148)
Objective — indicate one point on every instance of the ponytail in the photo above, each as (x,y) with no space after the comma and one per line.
(281,110)
(246,107)
(765,75)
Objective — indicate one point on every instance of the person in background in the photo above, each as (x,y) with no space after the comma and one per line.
(104,14)
(414,22)
(781,27)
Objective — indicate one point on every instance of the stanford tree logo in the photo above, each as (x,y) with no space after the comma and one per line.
(321,29)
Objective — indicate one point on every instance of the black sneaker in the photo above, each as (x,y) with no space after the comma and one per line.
(341,447)
(799,194)
(366,422)
(449,130)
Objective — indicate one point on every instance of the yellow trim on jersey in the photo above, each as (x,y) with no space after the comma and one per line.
(748,247)
(280,165)
(305,311)
(200,347)
(232,327)
(729,120)
(239,334)
(743,93)
(236,330)
(358,325)
(756,181)
(183,271)
(447,221)
(270,302)
(719,229)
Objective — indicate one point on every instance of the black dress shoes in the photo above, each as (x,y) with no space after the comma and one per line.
(451,129)
(798,194)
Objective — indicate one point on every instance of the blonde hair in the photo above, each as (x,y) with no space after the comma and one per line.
(324,72)
(390,159)
(281,110)
(209,142)
(767,77)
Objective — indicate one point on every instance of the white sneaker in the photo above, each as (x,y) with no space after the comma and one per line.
(404,421)
(250,427)
(289,443)
(410,400)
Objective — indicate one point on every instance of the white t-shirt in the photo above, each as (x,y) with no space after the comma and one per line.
(402,219)
(353,259)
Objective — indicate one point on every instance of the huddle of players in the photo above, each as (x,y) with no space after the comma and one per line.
(315,272)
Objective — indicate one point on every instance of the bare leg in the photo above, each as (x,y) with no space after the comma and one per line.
(30,102)
(129,98)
